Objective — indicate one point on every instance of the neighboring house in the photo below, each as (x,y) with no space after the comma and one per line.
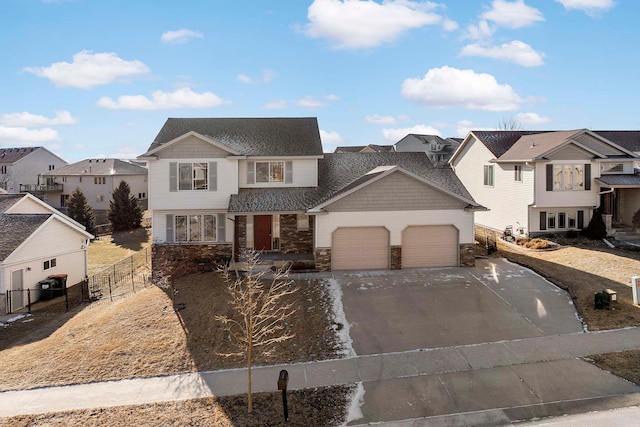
(36,241)
(371,148)
(97,178)
(218,186)
(547,181)
(21,170)
(438,150)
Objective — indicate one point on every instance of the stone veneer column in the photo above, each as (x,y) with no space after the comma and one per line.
(467,255)
(323,259)
(165,257)
(292,240)
(396,257)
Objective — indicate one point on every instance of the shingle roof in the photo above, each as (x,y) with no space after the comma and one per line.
(359,148)
(12,155)
(628,139)
(15,228)
(8,200)
(338,172)
(499,141)
(100,167)
(615,180)
(298,136)
(531,146)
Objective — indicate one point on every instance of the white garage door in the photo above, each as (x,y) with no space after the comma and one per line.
(360,248)
(430,246)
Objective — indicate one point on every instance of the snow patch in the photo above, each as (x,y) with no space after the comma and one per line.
(335,293)
(357,400)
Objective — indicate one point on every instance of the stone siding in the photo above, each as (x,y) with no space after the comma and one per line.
(241,234)
(323,259)
(396,257)
(467,255)
(165,257)
(293,241)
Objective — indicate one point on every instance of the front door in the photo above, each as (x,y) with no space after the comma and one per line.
(262,232)
(17,293)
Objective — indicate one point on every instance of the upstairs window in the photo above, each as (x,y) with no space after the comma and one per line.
(193,176)
(3,169)
(611,167)
(99,180)
(269,171)
(568,177)
(488,175)
(517,173)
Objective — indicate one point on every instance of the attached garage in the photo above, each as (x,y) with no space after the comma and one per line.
(360,248)
(430,246)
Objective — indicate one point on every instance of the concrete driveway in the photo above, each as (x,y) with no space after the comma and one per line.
(400,310)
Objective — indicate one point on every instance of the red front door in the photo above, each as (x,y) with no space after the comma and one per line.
(262,232)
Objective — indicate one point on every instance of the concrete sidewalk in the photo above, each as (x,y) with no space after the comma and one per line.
(517,373)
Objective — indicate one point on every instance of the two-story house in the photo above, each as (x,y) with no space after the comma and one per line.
(97,179)
(21,170)
(439,150)
(217,186)
(547,181)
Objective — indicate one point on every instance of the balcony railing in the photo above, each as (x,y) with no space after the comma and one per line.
(39,188)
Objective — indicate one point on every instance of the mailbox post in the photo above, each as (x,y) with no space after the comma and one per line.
(283,379)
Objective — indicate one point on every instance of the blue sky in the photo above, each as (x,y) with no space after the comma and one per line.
(95,78)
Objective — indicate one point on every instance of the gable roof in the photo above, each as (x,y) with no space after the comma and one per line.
(8,200)
(339,172)
(13,155)
(532,146)
(628,139)
(100,167)
(360,148)
(499,141)
(16,228)
(285,136)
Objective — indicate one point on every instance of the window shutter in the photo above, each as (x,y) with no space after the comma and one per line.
(543,220)
(220,223)
(288,172)
(587,176)
(169,238)
(580,220)
(173,176)
(213,176)
(251,172)
(549,177)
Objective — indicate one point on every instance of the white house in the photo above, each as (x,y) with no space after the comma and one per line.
(544,182)
(36,241)
(21,169)
(220,185)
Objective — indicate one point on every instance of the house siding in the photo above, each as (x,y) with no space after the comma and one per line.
(507,199)
(571,152)
(161,198)
(159,224)
(192,147)
(569,198)
(305,173)
(396,192)
(597,145)
(25,171)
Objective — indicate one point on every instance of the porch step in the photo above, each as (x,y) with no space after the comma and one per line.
(625,234)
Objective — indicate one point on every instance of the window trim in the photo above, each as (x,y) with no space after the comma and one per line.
(194,182)
(188,221)
(489,175)
(270,174)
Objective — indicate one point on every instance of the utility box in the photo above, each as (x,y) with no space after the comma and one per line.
(635,282)
(611,295)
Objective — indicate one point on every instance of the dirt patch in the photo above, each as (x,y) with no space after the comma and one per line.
(582,270)
(108,250)
(140,335)
(310,407)
(625,364)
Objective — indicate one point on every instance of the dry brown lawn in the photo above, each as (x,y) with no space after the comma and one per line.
(108,250)
(140,335)
(311,407)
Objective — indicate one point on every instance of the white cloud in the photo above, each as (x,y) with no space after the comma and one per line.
(512,14)
(481,31)
(332,97)
(463,127)
(381,120)
(516,51)
(330,137)
(531,119)
(181,98)
(180,36)
(244,79)
(89,70)
(280,104)
(126,151)
(24,136)
(448,87)
(449,25)
(309,102)
(26,119)
(590,7)
(396,134)
(268,75)
(354,24)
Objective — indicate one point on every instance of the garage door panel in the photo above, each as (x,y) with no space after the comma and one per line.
(360,248)
(430,246)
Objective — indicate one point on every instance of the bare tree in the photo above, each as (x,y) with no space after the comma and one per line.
(509,123)
(260,310)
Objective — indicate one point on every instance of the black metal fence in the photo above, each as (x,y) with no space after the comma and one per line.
(18,299)
(126,276)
